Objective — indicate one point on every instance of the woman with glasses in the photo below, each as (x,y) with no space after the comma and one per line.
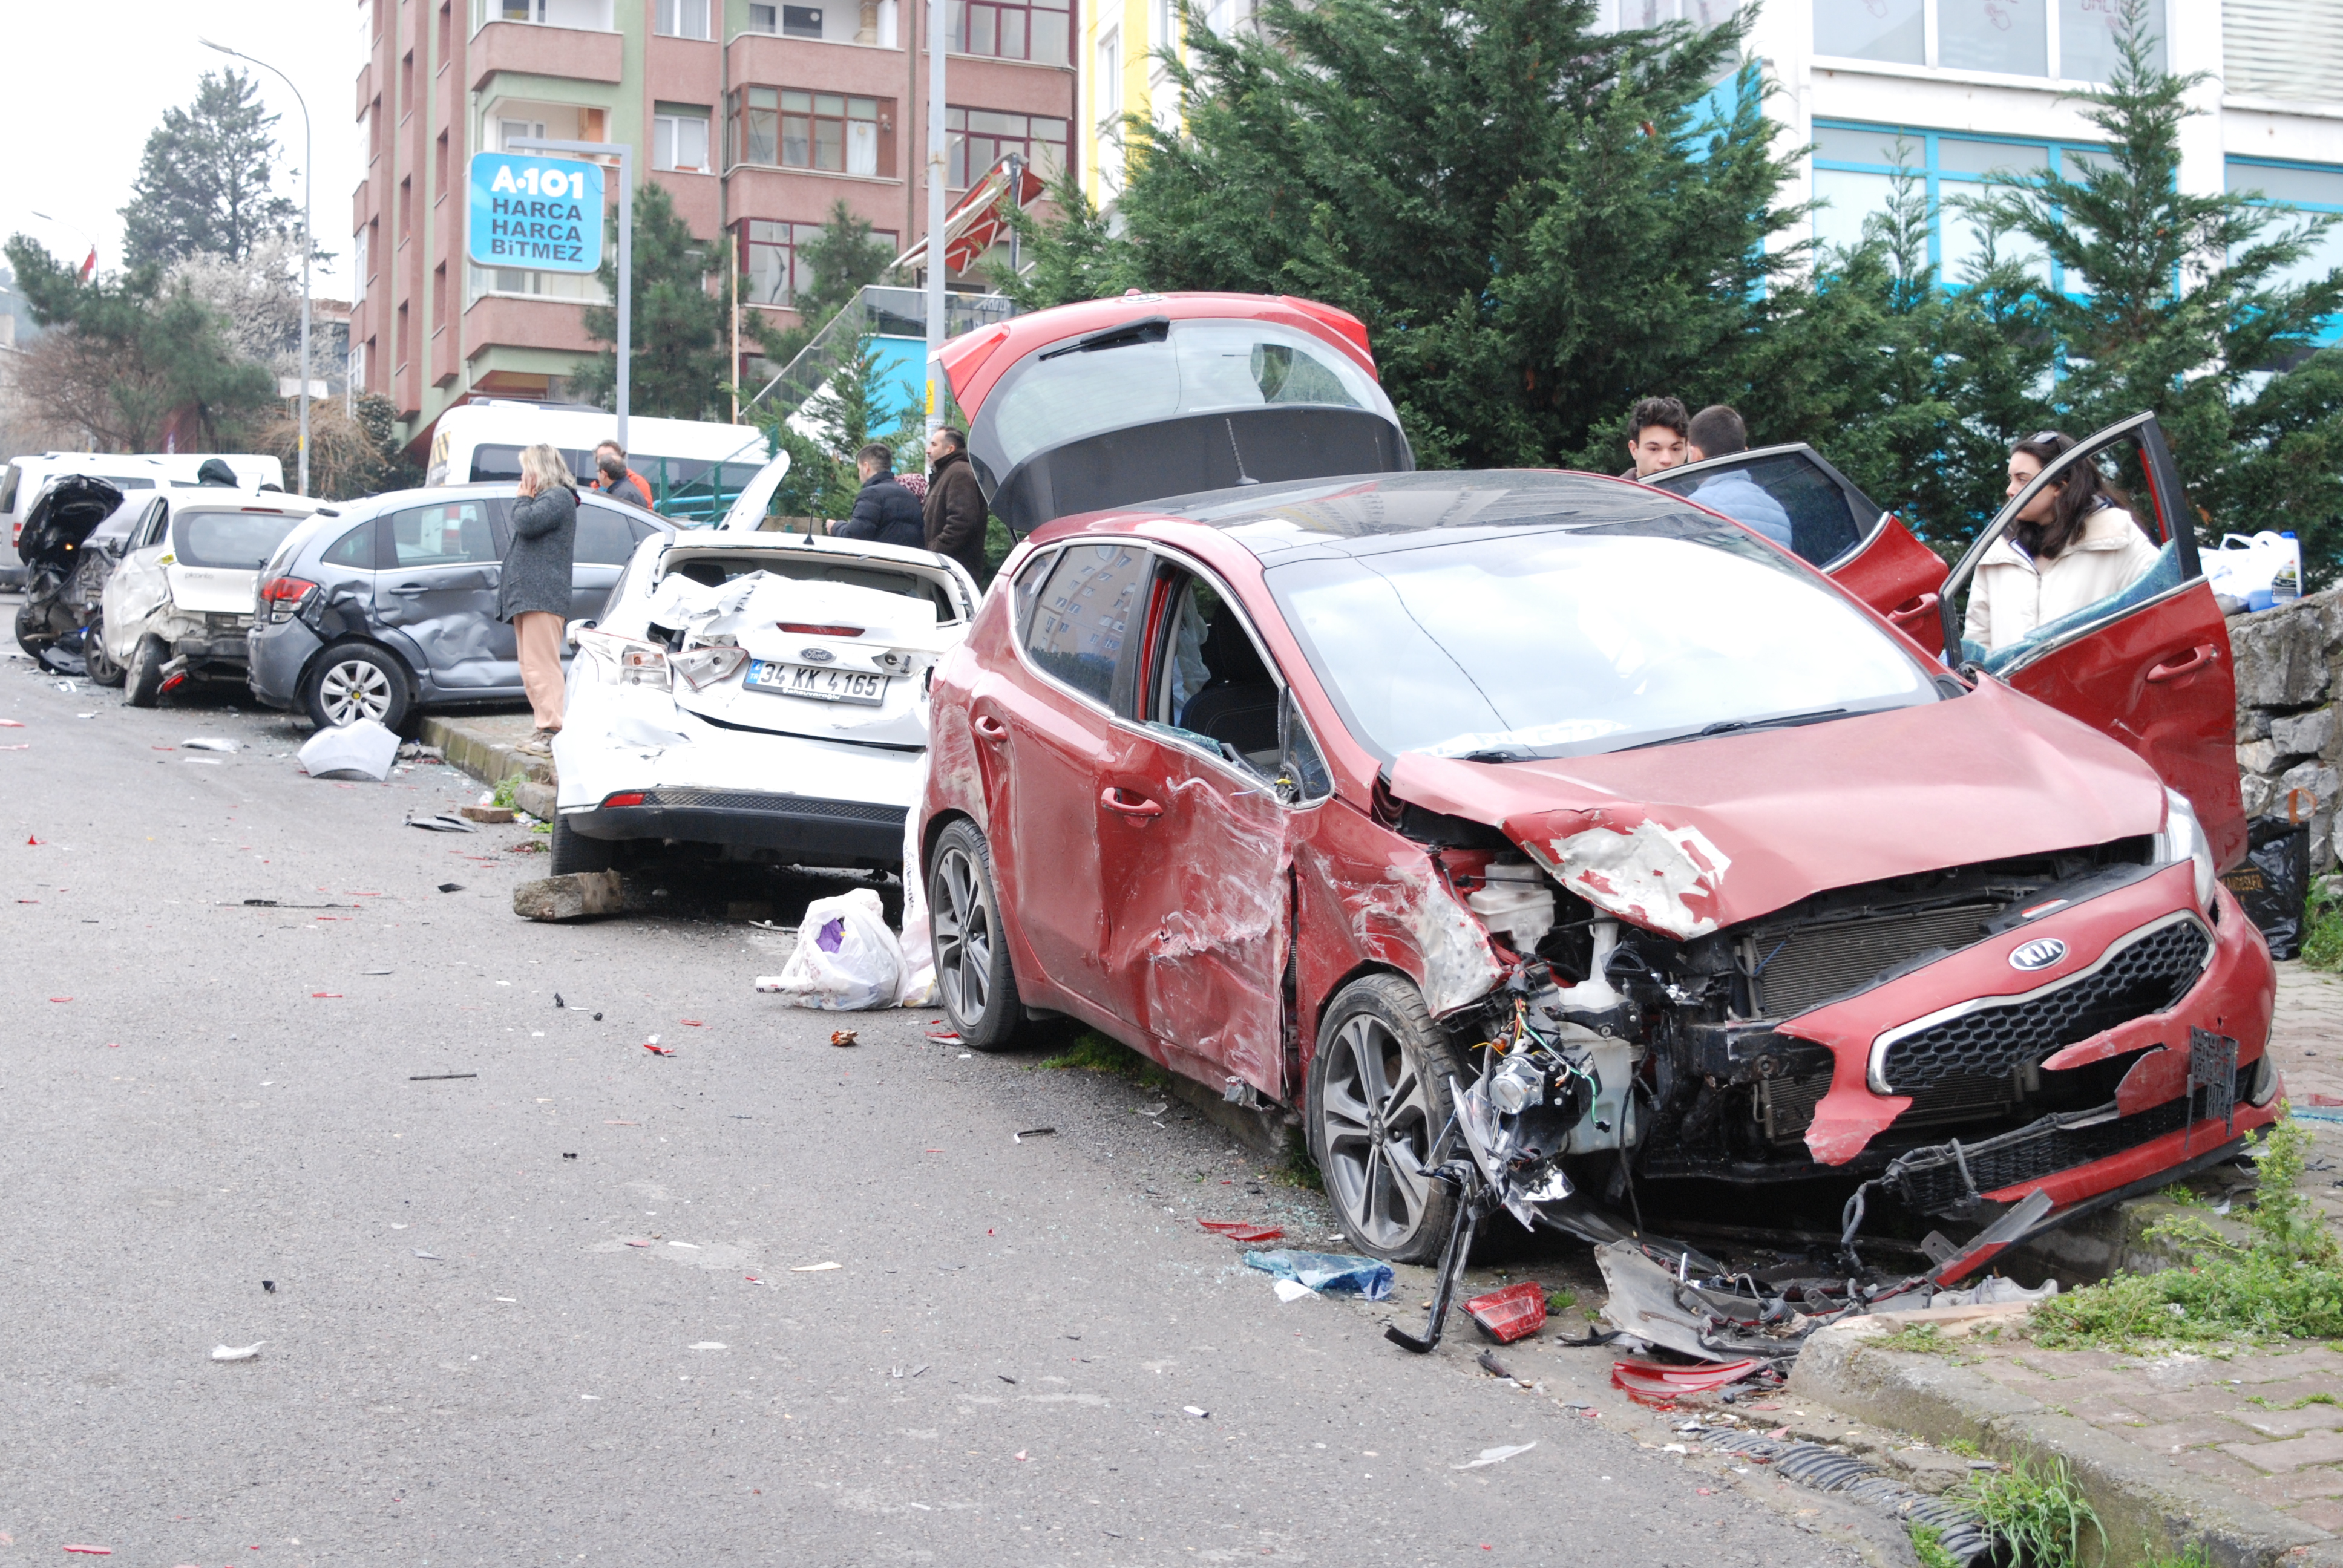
(2075,544)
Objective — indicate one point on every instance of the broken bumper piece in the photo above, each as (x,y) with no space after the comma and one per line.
(787,824)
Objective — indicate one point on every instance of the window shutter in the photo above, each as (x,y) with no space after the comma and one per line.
(2282,49)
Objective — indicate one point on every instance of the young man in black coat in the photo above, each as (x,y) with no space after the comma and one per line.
(883,509)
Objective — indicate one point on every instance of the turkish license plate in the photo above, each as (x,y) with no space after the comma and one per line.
(819,682)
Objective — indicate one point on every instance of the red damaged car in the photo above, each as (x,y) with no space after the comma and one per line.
(1567,815)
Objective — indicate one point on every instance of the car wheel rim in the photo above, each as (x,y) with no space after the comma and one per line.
(963,938)
(353,690)
(1376,1121)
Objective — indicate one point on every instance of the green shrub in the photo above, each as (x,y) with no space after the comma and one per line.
(2038,1513)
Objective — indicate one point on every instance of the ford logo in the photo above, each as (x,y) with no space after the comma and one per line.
(2038,954)
(823,656)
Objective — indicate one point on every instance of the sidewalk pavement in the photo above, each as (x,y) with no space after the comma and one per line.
(484,744)
(2232,1445)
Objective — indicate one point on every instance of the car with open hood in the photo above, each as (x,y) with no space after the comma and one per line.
(755,696)
(1577,821)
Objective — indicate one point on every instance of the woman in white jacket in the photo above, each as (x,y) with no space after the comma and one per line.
(2075,544)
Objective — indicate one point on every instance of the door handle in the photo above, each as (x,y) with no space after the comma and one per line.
(1112,799)
(2173,670)
(1912,609)
(410,588)
(991,728)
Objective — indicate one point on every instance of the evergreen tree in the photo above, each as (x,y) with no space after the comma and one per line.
(846,413)
(206,180)
(840,261)
(2177,302)
(681,358)
(124,355)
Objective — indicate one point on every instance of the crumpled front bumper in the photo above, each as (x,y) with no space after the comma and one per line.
(813,803)
(2161,1119)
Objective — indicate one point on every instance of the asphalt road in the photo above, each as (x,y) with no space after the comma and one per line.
(581,1307)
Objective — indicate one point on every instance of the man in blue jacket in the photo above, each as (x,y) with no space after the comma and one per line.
(883,509)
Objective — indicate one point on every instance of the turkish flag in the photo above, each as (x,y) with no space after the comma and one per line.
(89,267)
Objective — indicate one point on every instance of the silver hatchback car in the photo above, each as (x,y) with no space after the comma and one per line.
(390,608)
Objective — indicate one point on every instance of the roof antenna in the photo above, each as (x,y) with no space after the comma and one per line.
(1242,477)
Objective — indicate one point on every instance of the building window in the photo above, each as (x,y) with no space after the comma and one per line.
(509,131)
(1855,173)
(399,344)
(683,18)
(1037,30)
(2305,187)
(2011,37)
(1110,82)
(406,207)
(361,266)
(773,268)
(825,131)
(764,18)
(679,141)
(439,166)
(981,137)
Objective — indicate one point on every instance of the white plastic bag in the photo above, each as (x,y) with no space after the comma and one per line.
(845,959)
(361,751)
(2243,566)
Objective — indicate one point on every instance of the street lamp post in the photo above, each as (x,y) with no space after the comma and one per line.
(307,243)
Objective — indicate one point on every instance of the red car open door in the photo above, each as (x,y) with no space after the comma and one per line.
(2150,666)
(1799,501)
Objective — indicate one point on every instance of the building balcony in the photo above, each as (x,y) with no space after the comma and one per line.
(541,49)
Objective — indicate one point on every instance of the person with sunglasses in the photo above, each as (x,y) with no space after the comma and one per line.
(2075,544)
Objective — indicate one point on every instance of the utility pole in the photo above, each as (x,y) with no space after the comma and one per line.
(625,155)
(939,172)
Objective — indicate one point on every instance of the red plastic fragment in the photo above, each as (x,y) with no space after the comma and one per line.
(30,839)
(93,1550)
(1663,1382)
(2322,1100)
(1238,1230)
(1515,1312)
(657,1050)
(689,1022)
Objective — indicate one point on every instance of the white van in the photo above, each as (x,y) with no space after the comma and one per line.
(129,471)
(695,469)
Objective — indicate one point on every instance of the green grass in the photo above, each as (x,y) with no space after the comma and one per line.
(2038,1513)
(1094,1052)
(2322,944)
(1966,1447)
(2196,1556)
(1298,1171)
(2305,1402)
(2285,1279)
(1924,1339)
(1560,1301)
(504,792)
(1928,1546)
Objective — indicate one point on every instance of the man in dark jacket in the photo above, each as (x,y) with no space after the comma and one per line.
(955,512)
(614,477)
(883,509)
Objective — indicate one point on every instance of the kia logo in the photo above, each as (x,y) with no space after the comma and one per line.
(2038,954)
(823,656)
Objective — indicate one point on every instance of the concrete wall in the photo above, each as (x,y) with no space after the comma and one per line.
(2289,737)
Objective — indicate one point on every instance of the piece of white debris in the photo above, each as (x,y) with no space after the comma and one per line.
(1290,1290)
(815,1268)
(1198,1414)
(712,1345)
(238,1352)
(1498,1456)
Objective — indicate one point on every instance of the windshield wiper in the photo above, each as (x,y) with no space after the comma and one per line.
(1736,726)
(1500,754)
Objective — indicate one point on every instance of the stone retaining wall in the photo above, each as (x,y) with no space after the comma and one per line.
(2289,663)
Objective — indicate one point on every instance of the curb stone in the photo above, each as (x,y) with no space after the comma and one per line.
(489,760)
(2147,1507)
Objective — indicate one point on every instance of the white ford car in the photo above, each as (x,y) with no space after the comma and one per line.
(763,695)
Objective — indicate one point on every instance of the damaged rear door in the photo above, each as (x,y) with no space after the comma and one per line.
(2150,665)
(1792,496)
(1193,838)
(436,591)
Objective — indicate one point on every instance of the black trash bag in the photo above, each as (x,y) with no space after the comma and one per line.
(2275,882)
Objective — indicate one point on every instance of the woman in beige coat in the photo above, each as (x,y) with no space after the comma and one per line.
(2074,545)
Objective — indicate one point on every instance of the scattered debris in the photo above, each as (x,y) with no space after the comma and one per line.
(250,1353)
(442,823)
(940,1036)
(1512,1313)
(1198,1414)
(1488,1362)
(363,750)
(842,1037)
(557,1001)
(1032,1132)
(1004,1377)
(1243,1230)
(268,1287)
(1290,1290)
(1148,1110)
(1663,1382)
(451,887)
(435,1077)
(710,1345)
(655,1049)
(1335,1272)
(574,897)
(569,1157)
(487,813)
(432,1257)
(95,1551)
(1495,1456)
(209,743)
(815,1268)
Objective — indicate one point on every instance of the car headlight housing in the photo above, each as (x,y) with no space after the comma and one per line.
(625,660)
(702,668)
(2183,837)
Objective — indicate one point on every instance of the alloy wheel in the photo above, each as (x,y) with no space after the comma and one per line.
(963,937)
(352,690)
(1377,1126)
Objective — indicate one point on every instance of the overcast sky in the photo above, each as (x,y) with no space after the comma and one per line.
(85,86)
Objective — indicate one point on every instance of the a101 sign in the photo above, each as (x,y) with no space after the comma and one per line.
(542,214)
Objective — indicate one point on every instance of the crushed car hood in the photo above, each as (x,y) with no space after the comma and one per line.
(1684,839)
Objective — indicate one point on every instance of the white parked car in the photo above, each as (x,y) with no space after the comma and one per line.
(179,605)
(762,694)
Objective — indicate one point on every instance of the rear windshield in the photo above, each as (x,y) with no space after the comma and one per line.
(1141,376)
(233,541)
(717,570)
(1554,642)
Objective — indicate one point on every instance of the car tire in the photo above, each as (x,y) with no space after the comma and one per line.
(973,978)
(574,852)
(355,680)
(103,671)
(32,628)
(142,678)
(1378,1087)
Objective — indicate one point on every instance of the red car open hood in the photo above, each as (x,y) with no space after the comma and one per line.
(1684,839)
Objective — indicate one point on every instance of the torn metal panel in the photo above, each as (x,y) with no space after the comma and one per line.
(1665,880)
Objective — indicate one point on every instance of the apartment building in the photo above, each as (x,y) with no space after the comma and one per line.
(756,118)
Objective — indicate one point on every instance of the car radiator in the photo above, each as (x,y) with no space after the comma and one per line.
(1797,966)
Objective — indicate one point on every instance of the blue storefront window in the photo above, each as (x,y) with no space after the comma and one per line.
(2311,188)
